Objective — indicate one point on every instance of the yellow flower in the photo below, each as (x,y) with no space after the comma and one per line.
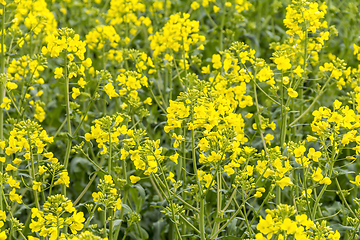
(58,72)
(171,177)
(87,63)
(249,170)
(286,80)
(216,60)
(82,82)
(5,103)
(310,138)
(42,169)
(76,222)
(337,104)
(148,101)
(298,71)
(194,5)
(33,238)
(10,167)
(315,155)
(11,85)
(36,186)
(64,179)
(76,92)
(96,196)
(205,70)
(3,234)
(108,179)
(325,180)
(317,176)
(259,236)
(303,220)
(292,93)
(299,151)
(110,90)
(334,236)
(309,191)
(357,181)
(40,93)
(174,158)
(134,179)
(284,182)
(15,197)
(258,194)
(356,49)
(268,138)
(288,226)
(282,63)
(17,161)
(117,204)
(13,183)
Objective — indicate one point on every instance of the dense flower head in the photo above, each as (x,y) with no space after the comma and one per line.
(123,11)
(102,35)
(107,130)
(280,221)
(169,109)
(57,213)
(66,40)
(147,157)
(24,66)
(108,194)
(178,34)
(81,236)
(36,16)
(27,135)
(305,16)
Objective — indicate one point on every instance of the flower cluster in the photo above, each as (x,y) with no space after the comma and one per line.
(108,195)
(178,34)
(55,216)
(102,35)
(107,130)
(36,16)
(278,222)
(65,40)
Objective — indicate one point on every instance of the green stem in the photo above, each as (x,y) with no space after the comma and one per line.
(221,27)
(202,222)
(89,183)
(228,222)
(355,230)
(90,217)
(259,118)
(344,199)
(33,177)
(318,95)
(110,151)
(267,95)
(88,107)
(257,212)
(104,222)
(218,199)
(111,225)
(68,120)
(109,170)
(332,161)
(305,173)
(201,197)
